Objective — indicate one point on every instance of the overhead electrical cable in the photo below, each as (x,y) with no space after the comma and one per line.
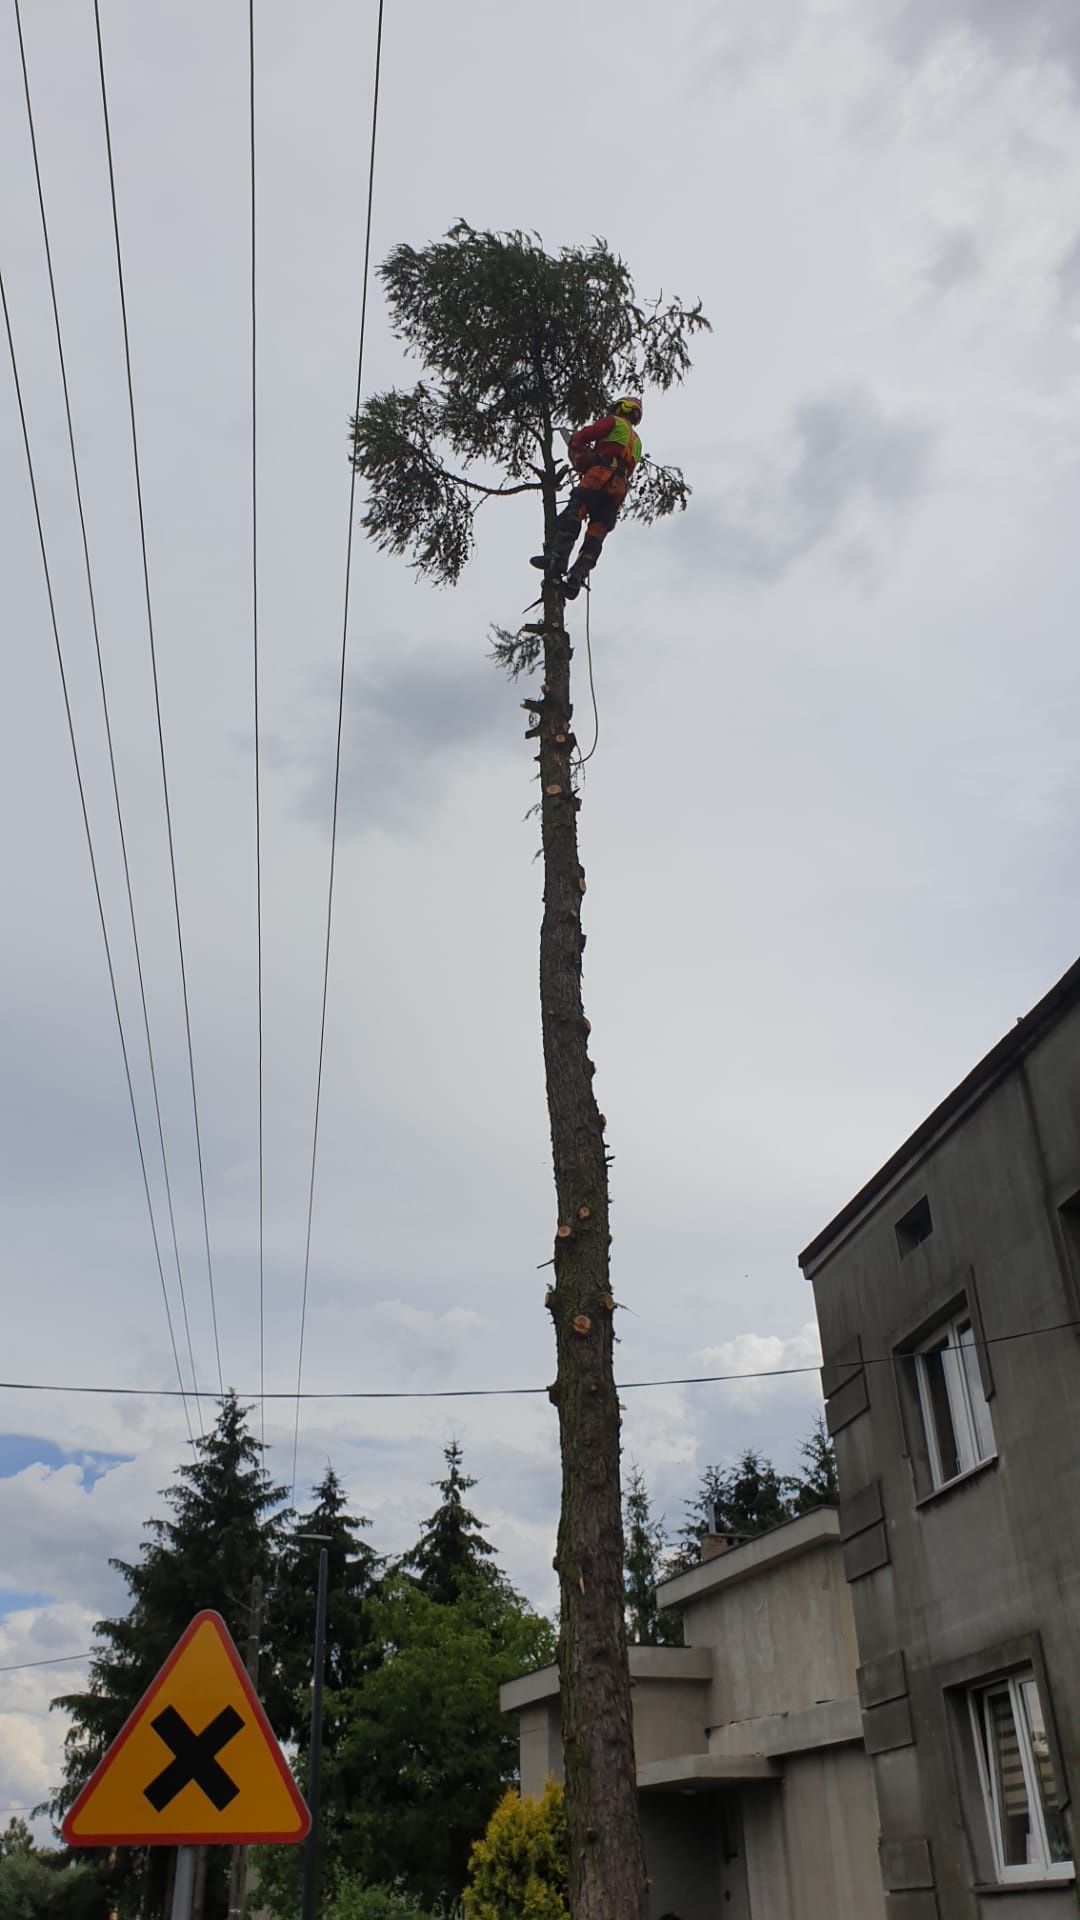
(523,1393)
(157,687)
(255,665)
(90,849)
(54,1660)
(337,747)
(92,598)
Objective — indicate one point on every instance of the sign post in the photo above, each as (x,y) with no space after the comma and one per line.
(196,1764)
(184,1884)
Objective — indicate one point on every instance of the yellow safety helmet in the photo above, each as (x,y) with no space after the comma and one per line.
(629,405)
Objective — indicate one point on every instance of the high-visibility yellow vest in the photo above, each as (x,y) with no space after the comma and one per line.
(622,435)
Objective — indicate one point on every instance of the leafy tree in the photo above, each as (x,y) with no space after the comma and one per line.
(36,1883)
(223,1528)
(512,340)
(451,1552)
(644,1557)
(425,1732)
(16,1839)
(518,1871)
(816,1485)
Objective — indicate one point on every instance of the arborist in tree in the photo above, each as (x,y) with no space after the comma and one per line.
(604,456)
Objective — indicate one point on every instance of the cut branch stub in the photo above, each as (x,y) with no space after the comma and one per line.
(554,789)
(563,1231)
(584,1213)
(581,1324)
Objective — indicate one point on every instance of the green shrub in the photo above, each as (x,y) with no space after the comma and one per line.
(518,1870)
(352,1899)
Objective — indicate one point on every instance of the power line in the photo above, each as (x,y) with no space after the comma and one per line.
(105,702)
(337,748)
(520,1393)
(90,847)
(255,662)
(54,1660)
(157,689)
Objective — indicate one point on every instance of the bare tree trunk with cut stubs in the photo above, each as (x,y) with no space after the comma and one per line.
(607,1876)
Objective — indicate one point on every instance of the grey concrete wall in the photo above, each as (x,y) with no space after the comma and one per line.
(669,1718)
(782,1640)
(694,1856)
(540,1746)
(812,1850)
(668,1693)
(997,1556)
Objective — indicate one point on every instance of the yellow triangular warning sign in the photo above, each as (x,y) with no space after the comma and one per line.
(197,1761)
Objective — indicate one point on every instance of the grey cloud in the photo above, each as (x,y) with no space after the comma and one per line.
(847,451)
(957,258)
(411,715)
(1034,30)
(1068,273)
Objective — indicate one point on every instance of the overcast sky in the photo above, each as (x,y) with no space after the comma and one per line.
(830,830)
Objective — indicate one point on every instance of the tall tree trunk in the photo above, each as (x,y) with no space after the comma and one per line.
(607,1878)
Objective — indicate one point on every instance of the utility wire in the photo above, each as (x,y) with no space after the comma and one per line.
(255,664)
(54,1660)
(157,689)
(105,705)
(337,748)
(90,850)
(849,1369)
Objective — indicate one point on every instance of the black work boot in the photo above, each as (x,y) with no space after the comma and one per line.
(581,569)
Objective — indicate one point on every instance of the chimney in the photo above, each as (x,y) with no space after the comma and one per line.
(714,1544)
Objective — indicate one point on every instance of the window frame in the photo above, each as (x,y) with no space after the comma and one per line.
(979,1697)
(947,1337)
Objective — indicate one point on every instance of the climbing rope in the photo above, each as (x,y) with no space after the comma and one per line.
(583,757)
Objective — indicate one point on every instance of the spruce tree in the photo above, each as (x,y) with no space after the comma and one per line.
(223,1528)
(816,1485)
(645,1553)
(746,1499)
(514,341)
(451,1552)
(353,1570)
(353,1647)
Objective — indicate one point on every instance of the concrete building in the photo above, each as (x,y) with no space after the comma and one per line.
(757,1796)
(948,1295)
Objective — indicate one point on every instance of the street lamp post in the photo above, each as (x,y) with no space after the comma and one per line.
(311,1849)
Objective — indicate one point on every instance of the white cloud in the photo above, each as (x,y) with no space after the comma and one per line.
(768,1354)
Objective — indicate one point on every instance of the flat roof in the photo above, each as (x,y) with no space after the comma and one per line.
(646,1663)
(991,1069)
(760,1554)
(690,1772)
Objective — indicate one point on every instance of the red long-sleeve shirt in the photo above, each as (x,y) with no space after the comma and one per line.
(596,435)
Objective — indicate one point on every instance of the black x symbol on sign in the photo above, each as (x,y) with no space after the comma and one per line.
(194,1758)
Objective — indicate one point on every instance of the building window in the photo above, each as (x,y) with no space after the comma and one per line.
(1021,1795)
(915,1227)
(955,1414)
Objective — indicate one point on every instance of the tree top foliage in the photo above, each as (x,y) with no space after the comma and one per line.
(514,342)
(451,1551)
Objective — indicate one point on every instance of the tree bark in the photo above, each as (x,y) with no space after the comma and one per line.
(607,1876)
